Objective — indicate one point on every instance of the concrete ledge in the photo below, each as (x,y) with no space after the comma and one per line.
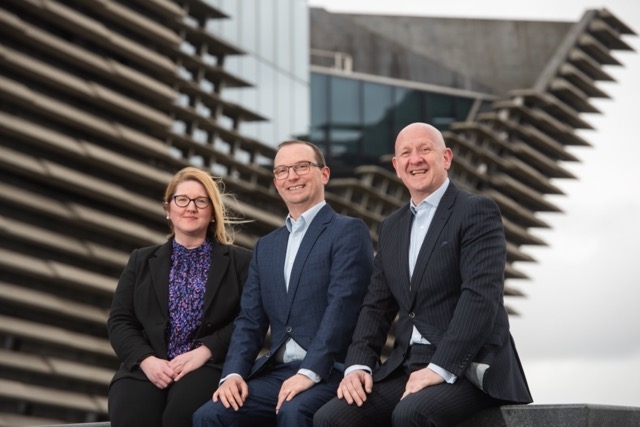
(574,415)
(98,424)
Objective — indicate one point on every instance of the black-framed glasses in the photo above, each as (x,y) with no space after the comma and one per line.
(300,168)
(183,201)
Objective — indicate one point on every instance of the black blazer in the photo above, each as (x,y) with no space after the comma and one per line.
(139,312)
(454,298)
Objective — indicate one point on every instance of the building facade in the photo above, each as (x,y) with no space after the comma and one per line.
(508,96)
(274,34)
(102,102)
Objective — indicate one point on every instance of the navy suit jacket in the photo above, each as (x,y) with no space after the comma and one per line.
(454,298)
(139,312)
(328,281)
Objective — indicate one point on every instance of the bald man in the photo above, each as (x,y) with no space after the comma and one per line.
(440,269)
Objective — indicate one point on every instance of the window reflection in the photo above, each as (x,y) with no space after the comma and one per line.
(355,122)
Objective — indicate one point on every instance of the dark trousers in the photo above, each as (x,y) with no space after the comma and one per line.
(259,408)
(439,405)
(137,403)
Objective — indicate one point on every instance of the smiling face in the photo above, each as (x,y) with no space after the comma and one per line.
(421,160)
(300,192)
(189,223)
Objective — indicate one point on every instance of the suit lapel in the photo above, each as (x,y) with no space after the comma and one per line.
(443,212)
(279,255)
(404,235)
(217,269)
(159,266)
(314,230)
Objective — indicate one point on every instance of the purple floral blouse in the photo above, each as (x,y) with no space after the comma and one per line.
(187,285)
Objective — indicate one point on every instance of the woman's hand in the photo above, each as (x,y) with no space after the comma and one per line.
(189,361)
(159,371)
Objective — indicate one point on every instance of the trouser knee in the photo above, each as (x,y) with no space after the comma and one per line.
(407,416)
(325,417)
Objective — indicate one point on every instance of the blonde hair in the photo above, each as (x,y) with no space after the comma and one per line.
(218,230)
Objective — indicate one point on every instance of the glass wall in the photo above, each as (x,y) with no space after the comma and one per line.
(355,121)
(275,36)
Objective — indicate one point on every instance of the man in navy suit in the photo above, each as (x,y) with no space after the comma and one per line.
(440,269)
(306,283)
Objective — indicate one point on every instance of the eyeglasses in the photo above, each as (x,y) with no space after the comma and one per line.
(300,168)
(199,202)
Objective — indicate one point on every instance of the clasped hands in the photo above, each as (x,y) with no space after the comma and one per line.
(162,372)
(355,386)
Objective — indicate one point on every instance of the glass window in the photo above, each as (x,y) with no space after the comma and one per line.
(267,102)
(300,107)
(319,109)
(248,35)
(266,45)
(230,27)
(408,108)
(377,114)
(283,36)
(345,119)
(463,105)
(345,102)
(440,110)
(300,40)
(283,106)
(319,100)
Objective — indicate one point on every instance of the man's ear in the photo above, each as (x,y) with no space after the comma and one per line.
(326,174)
(394,163)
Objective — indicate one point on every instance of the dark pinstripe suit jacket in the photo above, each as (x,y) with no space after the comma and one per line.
(328,281)
(455,297)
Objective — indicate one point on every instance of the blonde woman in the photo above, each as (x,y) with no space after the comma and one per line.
(173,310)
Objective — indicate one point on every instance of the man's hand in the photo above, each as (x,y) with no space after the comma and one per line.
(420,379)
(232,392)
(355,386)
(189,361)
(158,371)
(291,387)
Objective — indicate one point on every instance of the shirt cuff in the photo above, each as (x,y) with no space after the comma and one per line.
(310,374)
(229,376)
(448,376)
(357,368)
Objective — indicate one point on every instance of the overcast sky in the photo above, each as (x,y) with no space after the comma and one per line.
(579,330)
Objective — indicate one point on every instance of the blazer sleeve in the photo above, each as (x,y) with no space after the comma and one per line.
(125,330)
(375,318)
(481,263)
(351,267)
(250,327)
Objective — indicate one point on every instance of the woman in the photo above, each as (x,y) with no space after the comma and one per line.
(172,312)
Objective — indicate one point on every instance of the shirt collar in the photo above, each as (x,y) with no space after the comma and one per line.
(307,216)
(432,199)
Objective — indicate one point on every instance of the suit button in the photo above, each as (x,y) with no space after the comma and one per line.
(289,329)
(412,315)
